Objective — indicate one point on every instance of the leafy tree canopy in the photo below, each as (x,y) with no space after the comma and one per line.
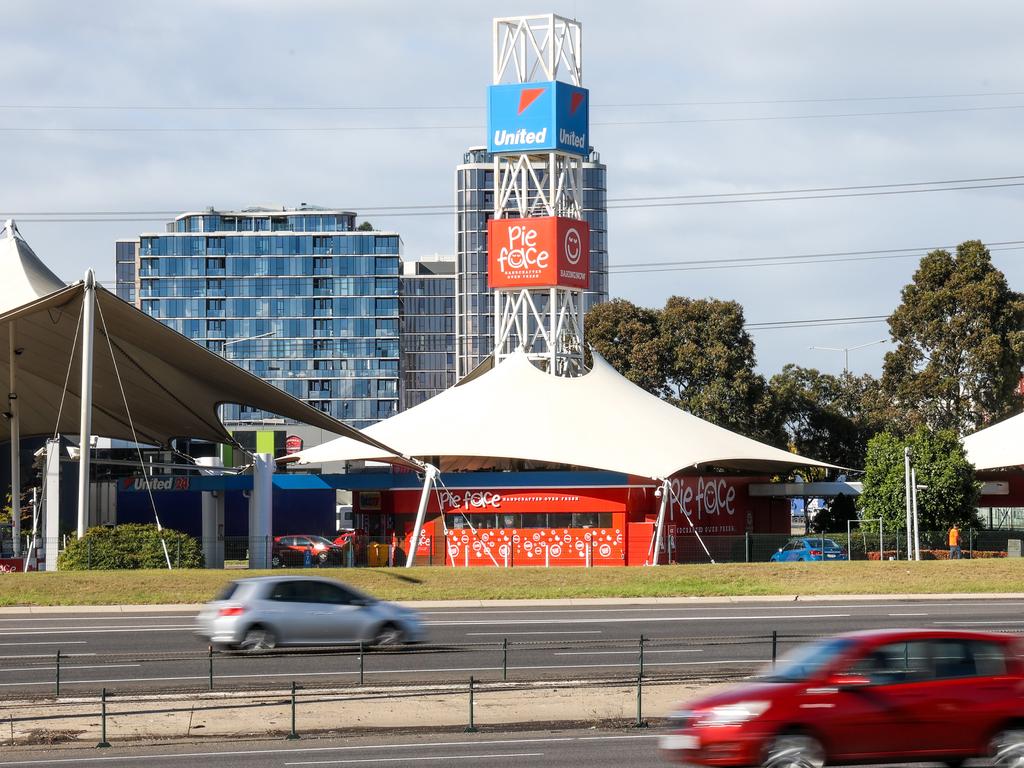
(833,518)
(696,354)
(938,458)
(365,227)
(960,344)
(828,417)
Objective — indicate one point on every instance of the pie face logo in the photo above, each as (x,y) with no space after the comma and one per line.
(538,252)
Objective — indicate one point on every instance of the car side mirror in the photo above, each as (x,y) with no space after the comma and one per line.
(848,682)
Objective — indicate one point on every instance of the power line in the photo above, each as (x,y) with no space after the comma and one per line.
(477,126)
(460,107)
(716,198)
(817,323)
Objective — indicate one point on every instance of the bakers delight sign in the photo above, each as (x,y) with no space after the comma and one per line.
(544,252)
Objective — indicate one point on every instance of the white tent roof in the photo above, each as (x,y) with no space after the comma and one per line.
(25,277)
(173,385)
(1001,445)
(599,420)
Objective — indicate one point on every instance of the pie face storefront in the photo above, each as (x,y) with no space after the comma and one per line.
(565,518)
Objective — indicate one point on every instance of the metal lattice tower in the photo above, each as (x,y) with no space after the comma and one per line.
(547,322)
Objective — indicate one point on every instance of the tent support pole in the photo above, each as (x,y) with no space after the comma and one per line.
(12,408)
(429,476)
(85,423)
(660,527)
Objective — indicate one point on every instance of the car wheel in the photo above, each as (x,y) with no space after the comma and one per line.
(794,750)
(258,638)
(387,635)
(275,561)
(1007,748)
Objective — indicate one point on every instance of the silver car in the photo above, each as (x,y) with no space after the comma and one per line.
(270,611)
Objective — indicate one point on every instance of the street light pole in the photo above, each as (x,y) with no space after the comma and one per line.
(846,351)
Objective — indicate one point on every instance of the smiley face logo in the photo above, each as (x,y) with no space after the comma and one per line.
(573,246)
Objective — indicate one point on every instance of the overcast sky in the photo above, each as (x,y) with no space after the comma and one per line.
(951,72)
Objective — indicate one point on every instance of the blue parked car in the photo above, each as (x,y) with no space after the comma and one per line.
(807,549)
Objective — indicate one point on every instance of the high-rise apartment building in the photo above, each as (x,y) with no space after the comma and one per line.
(426,328)
(474,206)
(296,296)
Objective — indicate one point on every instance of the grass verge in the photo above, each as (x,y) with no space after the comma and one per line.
(436,583)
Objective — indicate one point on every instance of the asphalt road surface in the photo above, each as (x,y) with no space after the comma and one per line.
(520,750)
(98,649)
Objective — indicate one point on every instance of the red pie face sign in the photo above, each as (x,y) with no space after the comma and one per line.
(543,252)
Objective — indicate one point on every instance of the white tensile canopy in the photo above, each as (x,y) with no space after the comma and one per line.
(1001,445)
(599,420)
(172,384)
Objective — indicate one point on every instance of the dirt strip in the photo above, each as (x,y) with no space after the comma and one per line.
(221,715)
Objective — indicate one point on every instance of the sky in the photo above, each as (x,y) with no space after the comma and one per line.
(361,105)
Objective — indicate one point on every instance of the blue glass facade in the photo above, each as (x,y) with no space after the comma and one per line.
(427,329)
(296,297)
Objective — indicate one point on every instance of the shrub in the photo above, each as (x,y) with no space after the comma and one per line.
(130,546)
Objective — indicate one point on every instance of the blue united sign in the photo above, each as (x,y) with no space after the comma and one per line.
(531,117)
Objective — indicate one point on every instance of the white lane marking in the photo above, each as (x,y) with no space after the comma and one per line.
(97,631)
(418,670)
(801,605)
(633,652)
(45,642)
(410,759)
(63,667)
(104,617)
(908,614)
(633,620)
(310,750)
(964,623)
(538,632)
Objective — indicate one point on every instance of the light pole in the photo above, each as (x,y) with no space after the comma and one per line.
(846,351)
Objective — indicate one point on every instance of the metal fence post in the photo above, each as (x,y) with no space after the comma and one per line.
(58,674)
(642,638)
(471,728)
(103,720)
(211,667)
(88,554)
(504,658)
(775,646)
(360,662)
(640,722)
(746,547)
(177,555)
(970,544)
(293,735)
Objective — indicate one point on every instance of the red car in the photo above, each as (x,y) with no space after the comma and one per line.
(291,550)
(866,697)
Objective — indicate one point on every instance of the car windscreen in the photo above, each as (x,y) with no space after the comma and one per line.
(321,540)
(822,544)
(806,661)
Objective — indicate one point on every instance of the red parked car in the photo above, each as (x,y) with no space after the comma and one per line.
(291,550)
(866,697)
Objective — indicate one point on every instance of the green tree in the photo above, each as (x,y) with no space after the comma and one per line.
(365,227)
(828,417)
(710,368)
(628,337)
(960,344)
(833,518)
(951,492)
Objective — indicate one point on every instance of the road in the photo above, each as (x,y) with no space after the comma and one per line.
(546,641)
(521,750)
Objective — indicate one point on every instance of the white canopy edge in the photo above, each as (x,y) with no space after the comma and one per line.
(998,446)
(600,420)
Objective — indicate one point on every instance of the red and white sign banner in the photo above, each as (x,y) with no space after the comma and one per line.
(543,252)
(536,546)
(12,565)
(512,500)
(292,444)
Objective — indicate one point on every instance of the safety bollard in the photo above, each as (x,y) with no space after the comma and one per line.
(103,721)
(775,646)
(211,667)
(361,662)
(58,674)
(471,728)
(642,640)
(640,722)
(504,658)
(294,734)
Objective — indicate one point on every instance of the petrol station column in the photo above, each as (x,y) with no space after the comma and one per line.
(213,516)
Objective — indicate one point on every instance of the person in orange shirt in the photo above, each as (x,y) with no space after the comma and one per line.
(954,543)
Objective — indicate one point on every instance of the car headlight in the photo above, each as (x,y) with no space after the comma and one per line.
(732,714)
